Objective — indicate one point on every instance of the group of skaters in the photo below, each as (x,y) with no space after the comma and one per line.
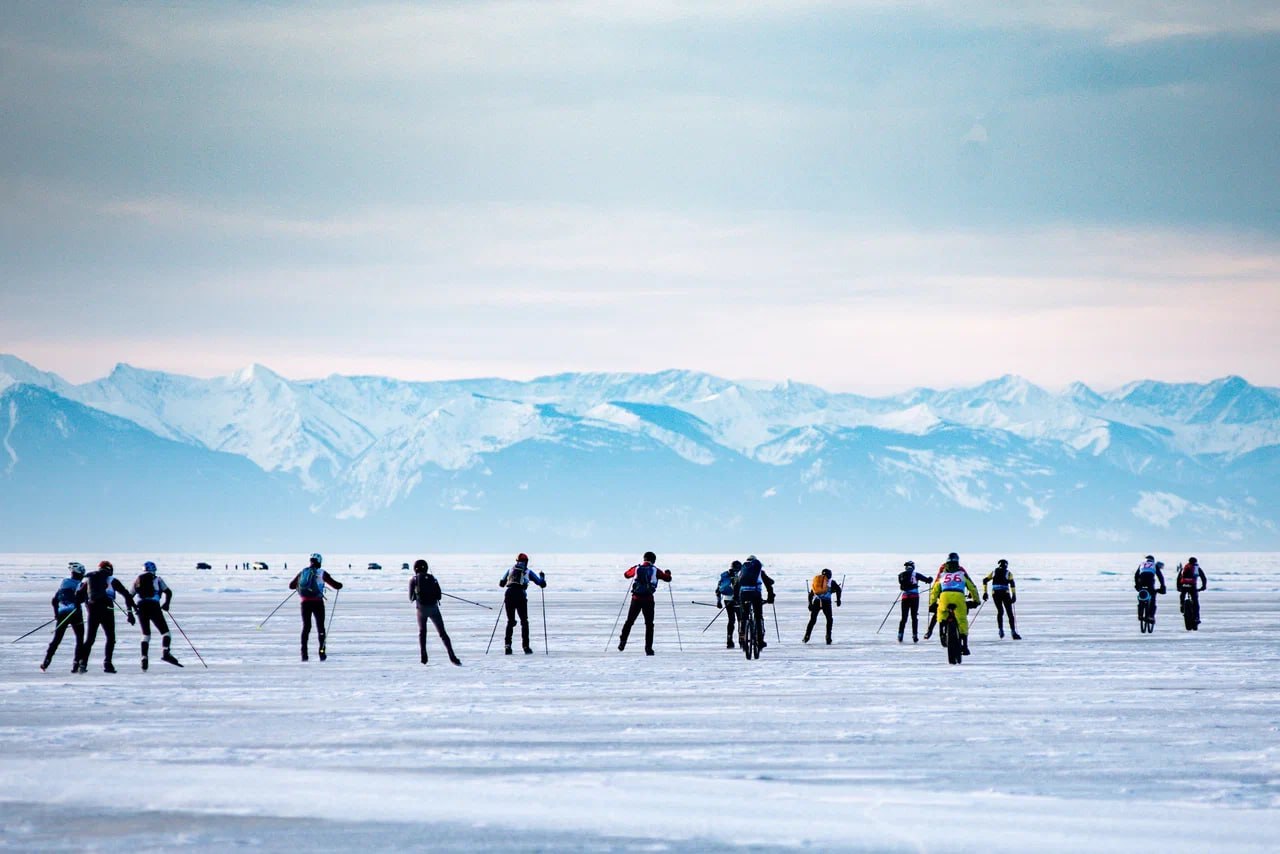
(97,592)
(741,590)
(1148,580)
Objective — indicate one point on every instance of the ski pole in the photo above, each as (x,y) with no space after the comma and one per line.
(713,619)
(193,646)
(776,631)
(468,601)
(33,631)
(277,608)
(545,649)
(674,618)
(704,604)
(493,633)
(609,640)
(886,616)
(976,611)
(329,628)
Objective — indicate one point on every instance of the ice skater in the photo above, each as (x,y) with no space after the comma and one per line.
(644,583)
(425,591)
(821,589)
(1005,590)
(100,589)
(66,610)
(727,599)
(148,590)
(516,599)
(909,585)
(310,586)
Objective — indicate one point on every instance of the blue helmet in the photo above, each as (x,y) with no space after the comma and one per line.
(148,567)
(317,558)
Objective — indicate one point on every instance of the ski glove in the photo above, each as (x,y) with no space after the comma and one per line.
(1013,600)
(837,603)
(984,596)
(337,585)
(129,617)
(164,607)
(769,601)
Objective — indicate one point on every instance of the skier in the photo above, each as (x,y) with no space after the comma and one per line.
(645,577)
(516,600)
(148,589)
(310,586)
(751,578)
(425,590)
(1006,593)
(1144,581)
(820,590)
(727,598)
(909,583)
(1188,575)
(953,586)
(100,588)
(66,610)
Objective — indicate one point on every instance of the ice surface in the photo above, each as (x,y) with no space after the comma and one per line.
(1085,736)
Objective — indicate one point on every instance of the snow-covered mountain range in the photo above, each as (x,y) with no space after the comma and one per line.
(602,461)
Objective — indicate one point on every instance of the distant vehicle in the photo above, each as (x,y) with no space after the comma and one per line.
(257,564)
(375,566)
(203,565)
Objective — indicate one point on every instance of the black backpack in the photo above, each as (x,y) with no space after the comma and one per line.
(99,584)
(146,585)
(428,589)
(644,584)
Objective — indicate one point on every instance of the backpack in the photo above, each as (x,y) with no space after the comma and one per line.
(1187,576)
(146,586)
(725,587)
(428,589)
(99,584)
(67,594)
(644,584)
(749,577)
(820,585)
(311,583)
(907,581)
(518,576)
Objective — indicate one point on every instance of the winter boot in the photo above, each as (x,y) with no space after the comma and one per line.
(964,644)
(506,650)
(48,659)
(728,644)
(900,631)
(323,654)
(528,650)
(108,668)
(1001,630)
(424,657)
(168,656)
(1017,636)
(828,640)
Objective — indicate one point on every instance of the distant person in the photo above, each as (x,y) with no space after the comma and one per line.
(516,599)
(66,610)
(310,586)
(952,587)
(100,589)
(644,583)
(1189,574)
(1005,590)
(1145,578)
(821,588)
(727,598)
(148,590)
(425,591)
(909,597)
(753,584)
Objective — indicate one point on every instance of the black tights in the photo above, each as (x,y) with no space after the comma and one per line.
(639,605)
(910,607)
(518,606)
(312,609)
(432,613)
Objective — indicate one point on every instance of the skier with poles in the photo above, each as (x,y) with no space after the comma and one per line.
(66,610)
(310,586)
(820,590)
(516,599)
(1144,581)
(1189,593)
(727,598)
(645,577)
(751,579)
(909,583)
(953,587)
(100,589)
(425,591)
(1006,593)
(148,589)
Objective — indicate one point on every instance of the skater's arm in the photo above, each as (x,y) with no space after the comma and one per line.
(413,589)
(329,580)
(1204,581)
(926,579)
(1160,575)
(985,581)
(630,573)
(293,585)
(1013,588)
(537,579)
(167,591)
(663,574)
(123,591)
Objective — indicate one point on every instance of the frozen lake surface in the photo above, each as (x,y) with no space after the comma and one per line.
(1086,735)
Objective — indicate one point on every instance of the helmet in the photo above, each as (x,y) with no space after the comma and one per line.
(317,558)
(1149,557)
(522,558)
(1002,562)
(1192,562)
(76,568)
(737,564)
(954,556)
(148,567)
(650,556)
(419,565)
(911,564)
(752,557)
(827,573)
(106,565)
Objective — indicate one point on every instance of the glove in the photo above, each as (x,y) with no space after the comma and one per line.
(1013,600)
(972,603)
(984,597)
(837,603)
(769,601)
(337,585)
(1163,591)
(933,609)
(129,616)
(718,603)
(164,607)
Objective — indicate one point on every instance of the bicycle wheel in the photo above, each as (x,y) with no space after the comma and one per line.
(749,633)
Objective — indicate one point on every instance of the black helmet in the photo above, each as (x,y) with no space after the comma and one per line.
(953,557)
(419,565)
(1002,562)
(827,573)
(1192,562)
(737,564)
(1149,557)
(650,557)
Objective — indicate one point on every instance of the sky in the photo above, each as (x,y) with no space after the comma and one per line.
(865,195)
